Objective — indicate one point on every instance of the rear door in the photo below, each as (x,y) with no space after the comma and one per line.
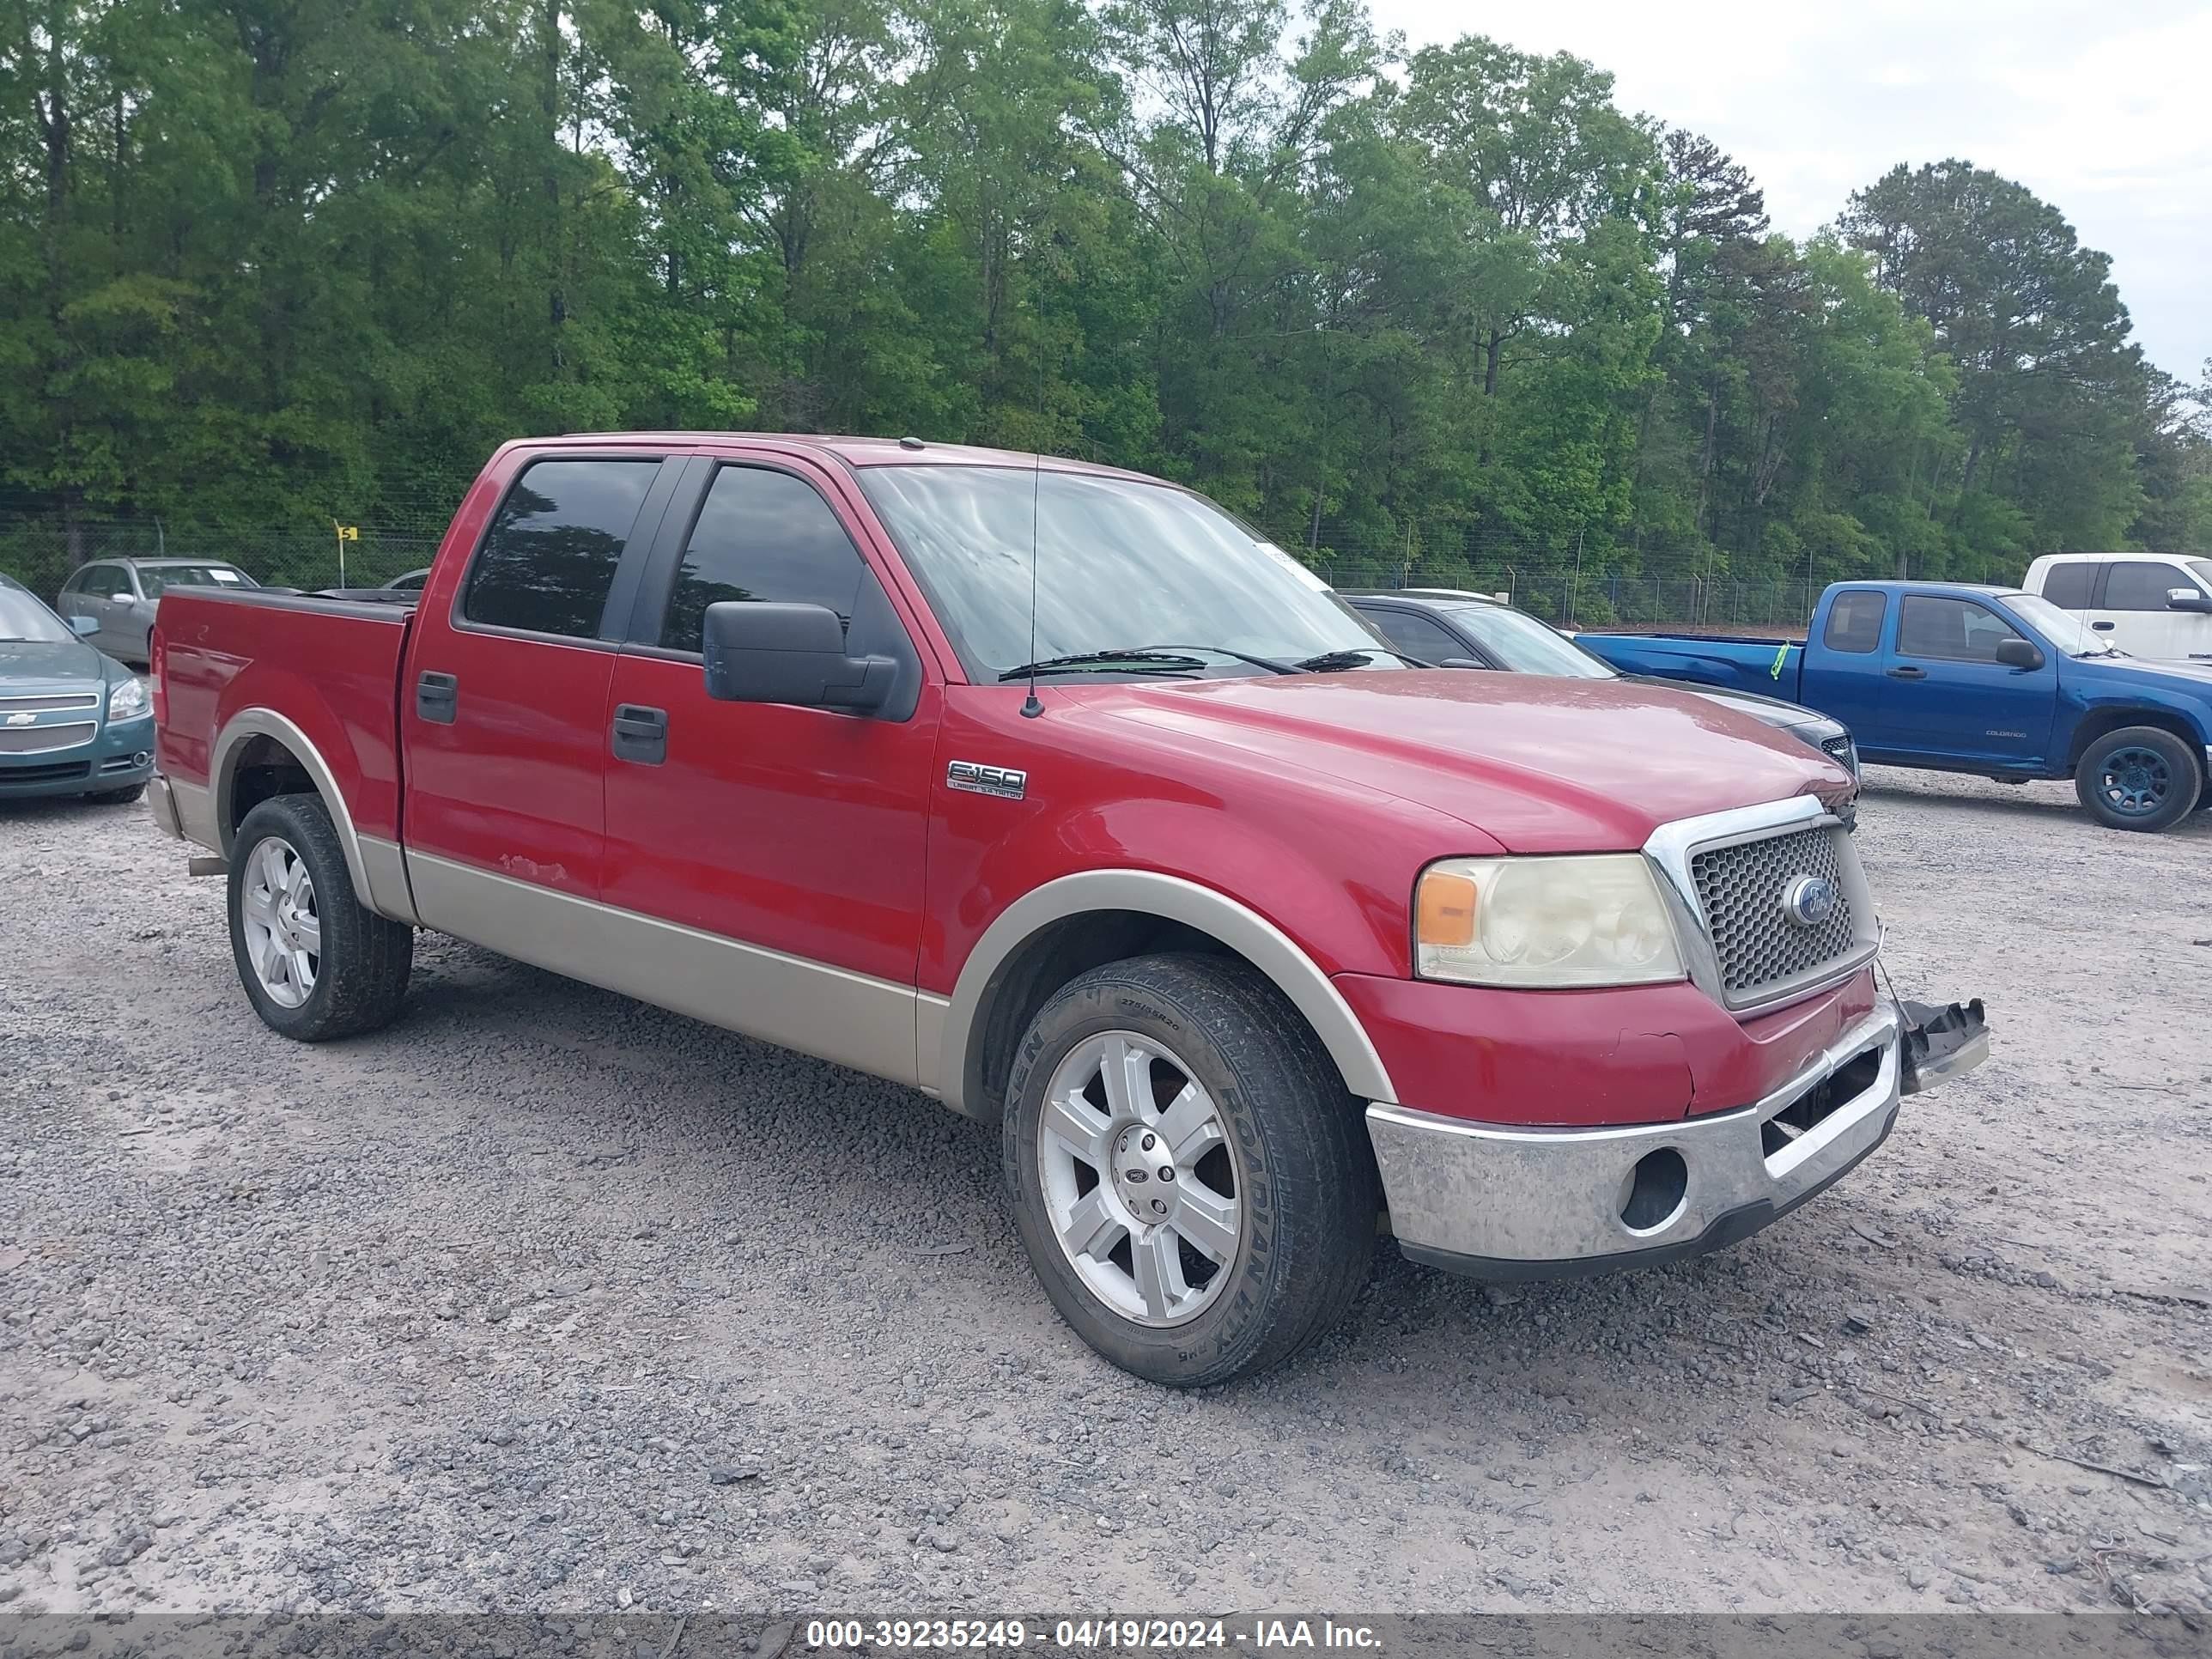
(2133,612)
(1842,673)
(503,699)
(1951,700)
(795,835)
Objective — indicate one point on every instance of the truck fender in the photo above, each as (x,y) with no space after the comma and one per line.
(379,873)
(1172,898)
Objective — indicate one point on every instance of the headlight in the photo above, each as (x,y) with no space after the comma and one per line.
(126,700)
(1594,919)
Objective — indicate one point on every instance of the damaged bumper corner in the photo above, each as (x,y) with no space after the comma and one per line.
(1940,1043)
(1500,1201)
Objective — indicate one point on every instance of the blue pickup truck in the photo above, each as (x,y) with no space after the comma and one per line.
(1952,676)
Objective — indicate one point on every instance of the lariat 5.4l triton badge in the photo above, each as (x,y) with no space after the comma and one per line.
(1809,901)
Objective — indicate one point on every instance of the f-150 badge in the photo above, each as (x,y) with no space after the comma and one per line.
(977,780)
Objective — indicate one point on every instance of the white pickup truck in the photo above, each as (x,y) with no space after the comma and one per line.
(2149,605)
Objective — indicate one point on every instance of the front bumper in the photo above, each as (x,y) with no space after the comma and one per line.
(119,756)
(1505,1202)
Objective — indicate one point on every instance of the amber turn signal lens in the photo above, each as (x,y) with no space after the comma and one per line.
(1444,913)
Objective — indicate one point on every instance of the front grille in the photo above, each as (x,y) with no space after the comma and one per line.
(1840,750)
(1741,888)
(37,739)
(52,772)
(38,705)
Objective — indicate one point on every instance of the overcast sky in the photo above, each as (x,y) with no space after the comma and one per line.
(2104,109)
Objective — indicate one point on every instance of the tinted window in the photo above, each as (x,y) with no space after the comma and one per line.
(549,557)
(1854,622)
(2203,569)
(2067,586)
(2141,586)
(763,536)
(1954,630)
(1415,636)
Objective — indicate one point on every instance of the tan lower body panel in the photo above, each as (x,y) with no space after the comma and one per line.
(829,1012)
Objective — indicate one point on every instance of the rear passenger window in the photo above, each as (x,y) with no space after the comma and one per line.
(550,556)
(761,535)
(1855,622)
(2141,586)
(2067,586)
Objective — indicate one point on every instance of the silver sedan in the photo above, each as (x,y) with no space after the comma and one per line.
(122,595)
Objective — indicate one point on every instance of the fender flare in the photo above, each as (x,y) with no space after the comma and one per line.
(1172,898)
(378,877)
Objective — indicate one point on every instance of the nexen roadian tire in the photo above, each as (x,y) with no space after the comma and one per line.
(2140,777)
(1192,1183)
(315,963)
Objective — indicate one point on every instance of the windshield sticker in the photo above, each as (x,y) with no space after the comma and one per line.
(224,575)
(1298,569)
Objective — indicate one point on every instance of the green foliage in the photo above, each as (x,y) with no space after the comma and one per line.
(268,262)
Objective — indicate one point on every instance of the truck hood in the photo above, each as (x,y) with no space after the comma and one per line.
(1540,765)
(2192,676)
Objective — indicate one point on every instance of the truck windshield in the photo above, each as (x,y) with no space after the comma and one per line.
(1524,646)
(1119,564)
(2065,631)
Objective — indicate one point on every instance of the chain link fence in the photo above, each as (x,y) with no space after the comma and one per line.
(40,550)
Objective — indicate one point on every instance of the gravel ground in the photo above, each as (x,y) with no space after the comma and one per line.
(543,1299)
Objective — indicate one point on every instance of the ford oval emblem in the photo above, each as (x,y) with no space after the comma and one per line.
(1809,901)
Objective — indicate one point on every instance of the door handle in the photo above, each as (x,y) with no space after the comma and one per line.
(1908,673)
(641,734)
(2102,627)
(437,698)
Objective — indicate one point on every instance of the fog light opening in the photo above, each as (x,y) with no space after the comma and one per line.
(1652,1196)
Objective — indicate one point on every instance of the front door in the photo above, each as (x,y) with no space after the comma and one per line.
(2135,612)
(1952,700)
(788,843)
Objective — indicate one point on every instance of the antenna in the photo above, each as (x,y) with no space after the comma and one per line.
(1031,707)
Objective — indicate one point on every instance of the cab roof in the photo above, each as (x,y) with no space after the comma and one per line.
(862,452)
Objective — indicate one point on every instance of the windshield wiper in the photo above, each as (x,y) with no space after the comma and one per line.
(1270,663)
(1145,660)
(1330,662)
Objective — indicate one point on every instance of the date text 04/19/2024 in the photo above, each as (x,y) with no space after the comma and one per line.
(1103,1634)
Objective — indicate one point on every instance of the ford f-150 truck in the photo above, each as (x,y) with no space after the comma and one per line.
(1051,791)
(1951,676)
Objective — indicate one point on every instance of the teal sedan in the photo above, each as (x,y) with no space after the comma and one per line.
(73,721)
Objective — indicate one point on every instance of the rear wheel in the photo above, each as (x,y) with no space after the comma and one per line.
(1189,1176)
(315,963)
(2139,777)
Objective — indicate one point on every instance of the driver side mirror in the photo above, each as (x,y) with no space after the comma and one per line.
(2019,654)
(123,598)
(1457,662)
(84,627)
(789,653)
(2188,598)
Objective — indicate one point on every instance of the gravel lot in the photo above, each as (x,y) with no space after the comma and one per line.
(545,1299)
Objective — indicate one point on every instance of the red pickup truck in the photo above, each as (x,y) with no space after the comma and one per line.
(1055,793)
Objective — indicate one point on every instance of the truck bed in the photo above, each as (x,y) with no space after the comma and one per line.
(330,666)
(1733,662)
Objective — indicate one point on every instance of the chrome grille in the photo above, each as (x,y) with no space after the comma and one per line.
(35,704)
(1741,888)
(37,739)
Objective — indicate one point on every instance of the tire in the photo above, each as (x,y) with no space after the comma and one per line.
(286,868)
(117,797)
(1284,1157)
(2139,777)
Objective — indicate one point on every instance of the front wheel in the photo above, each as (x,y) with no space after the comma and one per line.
(2139,777)
(315,963)
(1192,1182)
